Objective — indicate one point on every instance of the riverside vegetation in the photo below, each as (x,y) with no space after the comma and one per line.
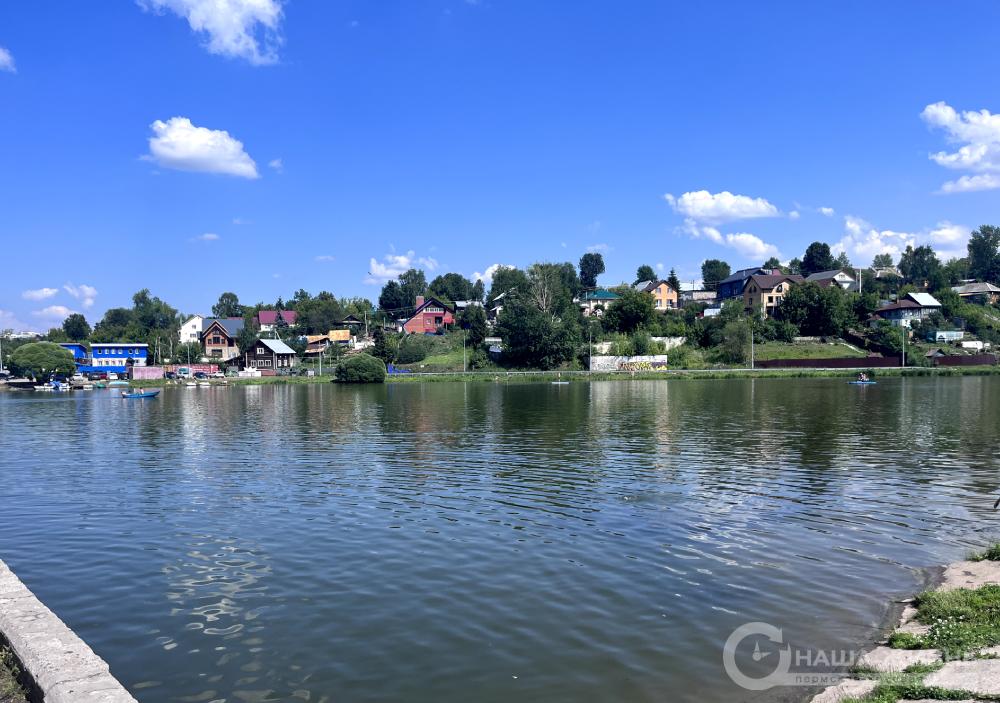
(10,689)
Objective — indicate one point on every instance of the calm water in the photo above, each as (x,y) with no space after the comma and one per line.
(449,542)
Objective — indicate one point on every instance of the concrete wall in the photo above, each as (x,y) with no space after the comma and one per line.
(859,362)
(656,362)
(61,665)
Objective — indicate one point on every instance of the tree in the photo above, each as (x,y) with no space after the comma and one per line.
(114,326)
(188,353)
(816,310)
(76,328)
(451,287)
(392,299)
(473,320)
(591,266)
(795,266)
(882,261)
(712,272)
(228,306)
(632,311)
(247,336)
(736,341)
(39,360)
(508,280)
(772,263)
(645,273)
(817,258)
(361,368)
(381,349)
(552,287)
(413,284)
(478,290)
(320,314)
(842,261)
(922,268)
(673,281)
(533,339)
(984,257)
(280,324)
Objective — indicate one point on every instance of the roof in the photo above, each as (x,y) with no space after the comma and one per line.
(903,304)
(117,344)
(232,325)
(742,274)
(768,280)
(925,300)
(976,289)
(827,275)
(270,317)
(599,294)
(648,286)
(276,345)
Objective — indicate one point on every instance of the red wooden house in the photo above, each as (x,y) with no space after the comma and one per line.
(430,314)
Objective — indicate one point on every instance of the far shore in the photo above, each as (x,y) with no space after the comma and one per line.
(498,376)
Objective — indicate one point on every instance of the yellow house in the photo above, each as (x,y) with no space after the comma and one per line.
(664,295)
(766,291)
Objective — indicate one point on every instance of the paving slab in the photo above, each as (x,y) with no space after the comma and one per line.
(914,628)
(970,574)
(849,688)
(886,659)
(980,677)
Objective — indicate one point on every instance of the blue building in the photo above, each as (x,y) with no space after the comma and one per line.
(113,357)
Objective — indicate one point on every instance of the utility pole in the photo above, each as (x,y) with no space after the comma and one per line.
(464,333)
(590,349)
(905,335)
(751,343)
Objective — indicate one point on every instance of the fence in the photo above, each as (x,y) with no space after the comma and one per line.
(858,362)
(966,360)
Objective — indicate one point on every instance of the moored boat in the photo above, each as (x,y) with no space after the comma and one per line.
(140,394)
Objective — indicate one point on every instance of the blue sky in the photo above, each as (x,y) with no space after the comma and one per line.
(194,147)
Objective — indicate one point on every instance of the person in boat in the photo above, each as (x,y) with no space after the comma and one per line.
(863,377)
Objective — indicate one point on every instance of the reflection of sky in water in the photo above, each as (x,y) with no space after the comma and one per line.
(448,542)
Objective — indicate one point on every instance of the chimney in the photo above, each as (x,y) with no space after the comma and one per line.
(420,300)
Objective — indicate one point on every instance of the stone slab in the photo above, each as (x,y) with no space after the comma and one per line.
(914,628)
(61,665)
(980,677)
(970,574)
(887,659)
(850,688)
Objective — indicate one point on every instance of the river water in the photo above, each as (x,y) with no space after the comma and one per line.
(456,542)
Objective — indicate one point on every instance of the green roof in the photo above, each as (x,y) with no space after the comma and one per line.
(600,294)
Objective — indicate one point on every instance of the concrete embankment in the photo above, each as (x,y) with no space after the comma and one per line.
(971,676)
(60,666)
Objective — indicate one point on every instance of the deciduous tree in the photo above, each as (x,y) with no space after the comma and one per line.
(713,271)
(76,328)
(591,266)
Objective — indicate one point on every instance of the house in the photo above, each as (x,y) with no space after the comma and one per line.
(267,320)
(430,315)
(191,329)
(732,285)
(984,293)
(766,291)
(949,336)
(219,338)
(690,297)
(352,321)
(594,302)
(838,277)
(317,344)
(914,307)
(78,350)
(116,357)
(270,354)
(461,305)
(664,295)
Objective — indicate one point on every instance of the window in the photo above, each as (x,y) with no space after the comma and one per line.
(216,339)
(780,288)
(261,350)
(770,299)
(659,303)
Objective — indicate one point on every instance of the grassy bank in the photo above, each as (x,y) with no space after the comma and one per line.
(583,376)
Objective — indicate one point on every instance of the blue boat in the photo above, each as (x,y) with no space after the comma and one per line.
(861,383)
(140,394)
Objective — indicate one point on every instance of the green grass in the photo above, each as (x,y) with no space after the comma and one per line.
(804,350)
(10,689)
(961,621)
(991,553)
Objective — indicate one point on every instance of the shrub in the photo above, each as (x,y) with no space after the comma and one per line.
(361,368)
(412,349)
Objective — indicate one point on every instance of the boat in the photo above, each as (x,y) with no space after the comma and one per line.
(560,383)
(861,383)
(117,384)
(140,394)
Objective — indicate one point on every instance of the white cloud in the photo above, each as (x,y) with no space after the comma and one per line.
(487,276)
(326,257)
(828,211)
(180,145)
(599,248)
(9,321)
(392,265)
(277,165)
(246,29)
(977,136)
(659,266)
(207,237)
(84,293)
(7,61)
(721,207)
(969,184)
(55,312)
(240,221)
(794,215)
(862,241)
(39,293)
(747,245)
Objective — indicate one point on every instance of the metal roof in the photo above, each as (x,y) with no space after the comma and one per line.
(277,346)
